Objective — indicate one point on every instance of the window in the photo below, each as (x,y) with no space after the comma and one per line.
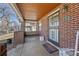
(31,26)
(40,25)
(9,21)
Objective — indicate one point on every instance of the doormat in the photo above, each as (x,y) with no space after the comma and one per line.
(51,49)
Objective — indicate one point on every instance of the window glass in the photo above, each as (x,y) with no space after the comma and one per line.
(40,26)
(9,21)
(30,26)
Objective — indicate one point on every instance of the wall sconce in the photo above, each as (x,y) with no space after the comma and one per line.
(65,8)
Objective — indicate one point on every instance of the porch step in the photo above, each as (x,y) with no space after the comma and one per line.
(51,49)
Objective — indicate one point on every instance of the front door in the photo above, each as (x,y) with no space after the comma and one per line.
(53,28)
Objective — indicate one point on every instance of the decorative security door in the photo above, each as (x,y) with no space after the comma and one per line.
(54,28)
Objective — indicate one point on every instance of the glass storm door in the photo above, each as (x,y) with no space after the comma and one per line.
(53,28)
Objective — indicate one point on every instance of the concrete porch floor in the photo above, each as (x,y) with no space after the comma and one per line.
(32,47)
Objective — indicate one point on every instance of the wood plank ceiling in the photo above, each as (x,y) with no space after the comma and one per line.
(34,11)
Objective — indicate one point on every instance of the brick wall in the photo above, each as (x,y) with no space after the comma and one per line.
(69,27)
